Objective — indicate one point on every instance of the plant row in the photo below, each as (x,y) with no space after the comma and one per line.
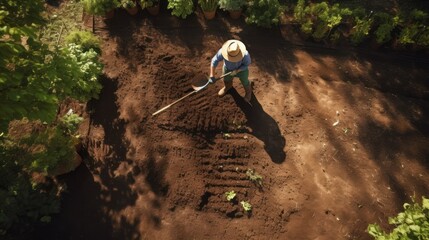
(330,23)
(260,12)
(333,23)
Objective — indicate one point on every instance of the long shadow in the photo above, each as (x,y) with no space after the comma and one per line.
(263,126)
(82,215)
(88,205)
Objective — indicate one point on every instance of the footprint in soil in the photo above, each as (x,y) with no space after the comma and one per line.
(264,127)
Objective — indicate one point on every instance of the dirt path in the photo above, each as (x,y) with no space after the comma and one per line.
(164,177)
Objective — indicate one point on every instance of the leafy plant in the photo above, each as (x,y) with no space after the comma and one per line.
(23,200)
(148,3)
(226,135)
(230,195)
(99,7)
(415,25)
(413,223)
(363,24)
(46,147)
(84,68)
(327,17)
(299,12)
(70,123)
(208,5)
(423,38)
(254,177)
(181,8)
(246,206)
(85,39)
(386,23)
(232,5)
(128,4)
(264,13)
(34,78)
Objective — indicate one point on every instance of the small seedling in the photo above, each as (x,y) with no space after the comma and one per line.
(254,177)
(246,206)
(230,195)
(226,135)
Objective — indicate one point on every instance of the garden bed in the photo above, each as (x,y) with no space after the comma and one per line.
(339,138)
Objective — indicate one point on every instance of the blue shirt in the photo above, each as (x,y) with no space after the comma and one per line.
(231,66)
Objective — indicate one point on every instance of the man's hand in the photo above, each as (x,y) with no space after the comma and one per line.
(212,79)
(233,73)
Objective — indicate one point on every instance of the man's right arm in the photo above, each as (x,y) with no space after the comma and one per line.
(215,61)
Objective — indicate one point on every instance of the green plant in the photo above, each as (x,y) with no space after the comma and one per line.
(87,40)
(246,206)
(264,13)
(70,123)
(181,8)
(99,7)
(128,3)
(84,67)
(363,24)
(413,223)
(423,38)
(254,177)
(34,77)
(148,3)
(230,195)
(24,201)
(299,12)
(208,5)
(416,25)
(326,18)
(385,25)
(232,5)
(47,147)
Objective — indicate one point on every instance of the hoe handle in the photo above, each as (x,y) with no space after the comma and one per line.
(171,104)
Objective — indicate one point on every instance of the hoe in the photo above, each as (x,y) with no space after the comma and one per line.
(196,89)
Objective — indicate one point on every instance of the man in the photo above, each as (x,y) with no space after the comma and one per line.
(236,60)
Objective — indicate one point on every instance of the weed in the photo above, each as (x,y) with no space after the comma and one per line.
(230,195)
(254,177)
(226,136)
(246,206)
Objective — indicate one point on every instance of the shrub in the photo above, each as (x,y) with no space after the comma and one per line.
(232,5)
(416,24)
(84,68)
(128,4)
(46,147)
(69,123)
(363,24)
(85,39)
(99,7)
(148,3)
(386,23)
(328,17)
(413,223)
(264,13)
(319,19)
(208,5)
(23,201)
(181,8)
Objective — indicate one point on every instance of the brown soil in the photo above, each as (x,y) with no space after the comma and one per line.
(164,177)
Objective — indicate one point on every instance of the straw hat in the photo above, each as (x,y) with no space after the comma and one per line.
(233,50)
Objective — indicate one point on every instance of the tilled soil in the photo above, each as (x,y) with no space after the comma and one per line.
(339,137)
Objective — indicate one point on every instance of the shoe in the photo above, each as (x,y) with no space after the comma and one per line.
(225,89)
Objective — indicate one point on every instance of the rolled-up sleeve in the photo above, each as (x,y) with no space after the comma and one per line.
(217,58)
